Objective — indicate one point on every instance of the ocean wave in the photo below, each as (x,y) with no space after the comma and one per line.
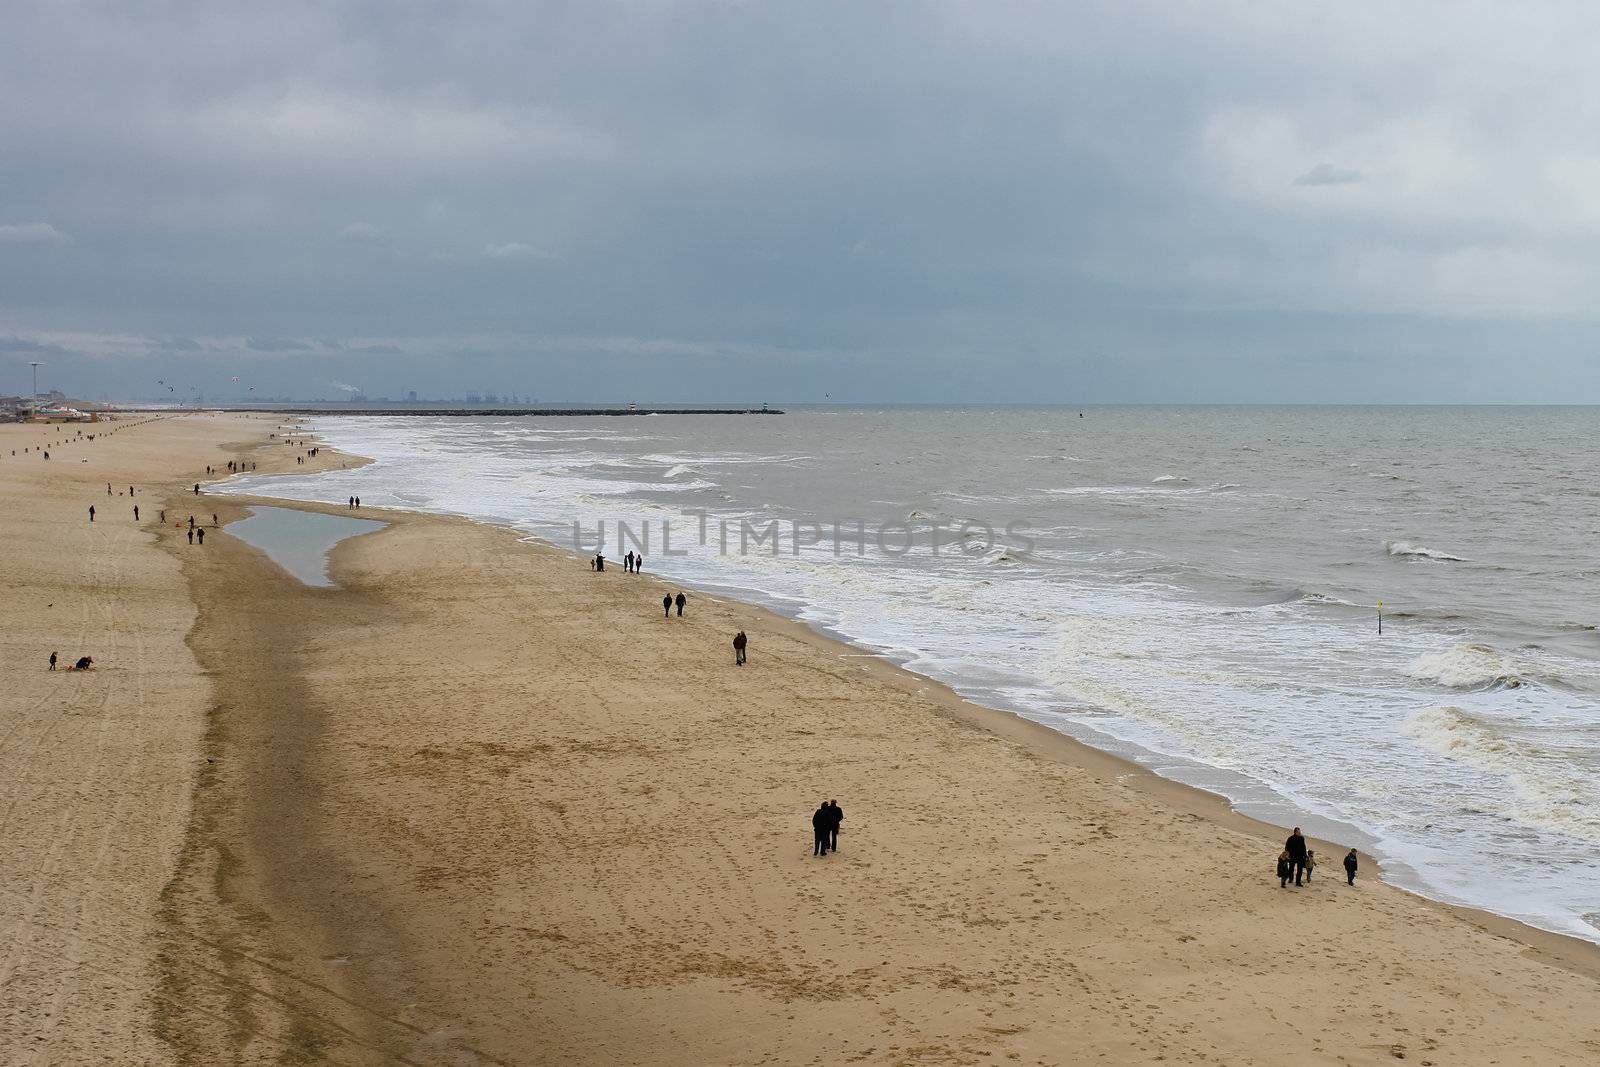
(1416,551)
(1468,666)
(1000,554)
(1167,478)
(679,471)
(1551,792)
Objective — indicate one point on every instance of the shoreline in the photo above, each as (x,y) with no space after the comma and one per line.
(1578,953)
(478,804)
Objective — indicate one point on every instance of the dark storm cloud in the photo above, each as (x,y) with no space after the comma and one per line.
(717,200)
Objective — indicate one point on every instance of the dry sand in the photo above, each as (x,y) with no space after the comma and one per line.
(483,805)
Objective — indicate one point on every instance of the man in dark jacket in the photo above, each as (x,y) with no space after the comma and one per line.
(819,829)
(835,817)
(1296,846)
(739,641)
(666,606)
(1350,867)
(681,601)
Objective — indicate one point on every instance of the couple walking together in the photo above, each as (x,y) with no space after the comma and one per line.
(825,828)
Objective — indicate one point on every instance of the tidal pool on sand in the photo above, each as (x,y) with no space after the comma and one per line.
(299,541)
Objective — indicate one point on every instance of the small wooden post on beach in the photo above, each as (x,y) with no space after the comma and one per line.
(1380,618)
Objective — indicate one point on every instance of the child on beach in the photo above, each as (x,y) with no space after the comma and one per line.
(1311,861)
(1350,868)
(1285,869)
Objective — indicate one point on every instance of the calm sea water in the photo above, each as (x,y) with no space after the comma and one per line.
(1195,587)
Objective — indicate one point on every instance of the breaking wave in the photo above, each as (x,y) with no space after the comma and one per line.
(1468,666)
(1416,551)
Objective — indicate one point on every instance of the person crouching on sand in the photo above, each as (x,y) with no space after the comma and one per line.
(1350,868)
(1285,869)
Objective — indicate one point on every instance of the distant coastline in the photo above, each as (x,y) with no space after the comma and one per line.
(340,409)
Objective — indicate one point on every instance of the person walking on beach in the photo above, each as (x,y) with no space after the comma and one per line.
(627,562)
(350,503)
(1311,862)
(638,564)
(819,830)
(91,512)
(196,488)
(666,602)
(1296,847)
(681,601)
(358,503)
(599,561)
(835,817)
(202,532)
(1350,868)
(136,513)
(739,642)
(52,661)
(1285,869)
(191,535)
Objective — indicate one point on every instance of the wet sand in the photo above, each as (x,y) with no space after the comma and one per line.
(478,804)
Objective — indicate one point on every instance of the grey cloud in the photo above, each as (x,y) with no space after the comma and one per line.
(871,198)
(515,250)
(32,233)
(1328,174)
(363,233)
(276,344)
(29,346)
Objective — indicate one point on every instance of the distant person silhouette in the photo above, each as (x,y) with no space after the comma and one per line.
(739,643)
(666,603)
(638,564)
(680,602)
(1296,847)
(599,561)
(52,661)
(835,817)
(1350,868)
(202,532)
(191,535)
(1285,869)
(627,562)
(358,503)
(196,488)
(136,513)
(91,512)
(819,830)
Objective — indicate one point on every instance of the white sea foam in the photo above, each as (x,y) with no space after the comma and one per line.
(1552,793)
(1408,548)
(1467,666)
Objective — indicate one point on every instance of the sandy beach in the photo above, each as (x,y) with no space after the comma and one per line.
(481,805)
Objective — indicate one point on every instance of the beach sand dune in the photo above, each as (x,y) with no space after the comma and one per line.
(480,805)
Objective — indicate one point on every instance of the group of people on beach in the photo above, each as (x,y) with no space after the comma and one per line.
(83,663)
(1297,861)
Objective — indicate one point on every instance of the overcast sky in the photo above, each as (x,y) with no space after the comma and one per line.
(723,201)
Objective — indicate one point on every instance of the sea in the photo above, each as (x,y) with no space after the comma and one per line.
(1195,588)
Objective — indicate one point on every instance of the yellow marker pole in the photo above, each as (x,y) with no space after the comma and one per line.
(1380,618)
